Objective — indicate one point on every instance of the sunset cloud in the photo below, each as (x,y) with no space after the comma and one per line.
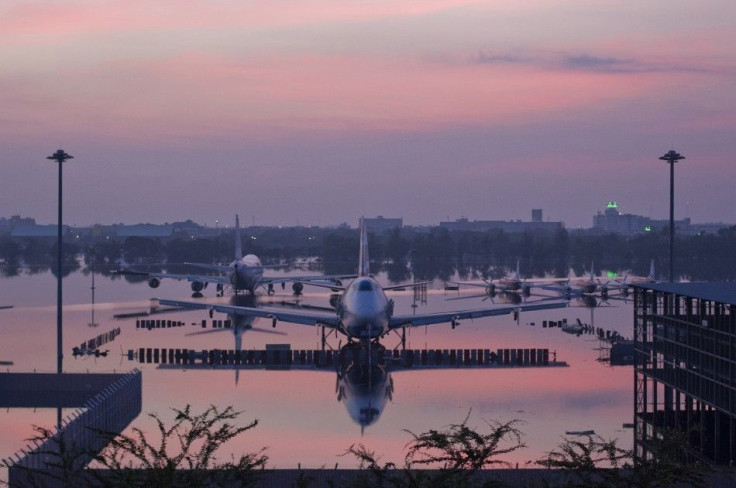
(543,81)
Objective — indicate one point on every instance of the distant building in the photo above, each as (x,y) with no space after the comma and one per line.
(7,225)
(380,224)
(504,225)
(684,364)
(536,215)
(30,231)
(615,222)
(144,230)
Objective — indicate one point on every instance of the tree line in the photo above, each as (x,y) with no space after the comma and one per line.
(436,253)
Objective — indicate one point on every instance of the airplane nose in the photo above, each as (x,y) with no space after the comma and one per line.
(366,312)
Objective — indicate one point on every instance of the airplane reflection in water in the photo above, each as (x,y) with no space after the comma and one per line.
(240,324)
(363,311)
(245,273)
(364,383)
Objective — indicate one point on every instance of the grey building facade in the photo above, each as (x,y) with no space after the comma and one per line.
(685,367)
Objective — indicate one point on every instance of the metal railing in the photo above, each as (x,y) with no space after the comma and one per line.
(83,434)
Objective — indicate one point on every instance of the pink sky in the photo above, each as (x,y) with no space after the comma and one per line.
(427,109)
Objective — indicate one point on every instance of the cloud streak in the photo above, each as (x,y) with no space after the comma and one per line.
(592,63)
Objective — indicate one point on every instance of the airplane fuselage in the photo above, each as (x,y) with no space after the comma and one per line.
(364,310)
(247,273)
(509,284)
(586,286)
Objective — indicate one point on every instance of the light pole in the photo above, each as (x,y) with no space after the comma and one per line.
(672,157)
(59,156)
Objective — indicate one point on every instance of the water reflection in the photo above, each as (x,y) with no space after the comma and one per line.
(239,324)
(364,384)
(301,402)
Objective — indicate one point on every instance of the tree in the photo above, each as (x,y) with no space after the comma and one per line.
(185,454)
(457,451)
(594,462)
(195,440)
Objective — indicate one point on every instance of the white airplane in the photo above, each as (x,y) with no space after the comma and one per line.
(245,273)
(363,311)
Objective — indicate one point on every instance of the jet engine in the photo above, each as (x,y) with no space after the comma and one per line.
(297,287)
(197,286)
(154,282)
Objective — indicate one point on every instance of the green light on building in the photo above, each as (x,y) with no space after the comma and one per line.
(647,228)
(611,274)
(612,205)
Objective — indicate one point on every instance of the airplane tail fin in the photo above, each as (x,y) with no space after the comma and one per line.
(518,275)
(364,264)
(238,242)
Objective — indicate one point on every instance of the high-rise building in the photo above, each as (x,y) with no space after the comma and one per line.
(613,221)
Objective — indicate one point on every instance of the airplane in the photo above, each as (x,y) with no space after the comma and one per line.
(3,307)
(505,284)
(363,311)
(577,288)
(245,273)
(588,286)
(624,285)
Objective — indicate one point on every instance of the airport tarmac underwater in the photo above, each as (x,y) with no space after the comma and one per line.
(300,407)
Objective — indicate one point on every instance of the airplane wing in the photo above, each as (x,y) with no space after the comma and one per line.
(404,286)
(471,283)
(179,277)
(212,267)
(331,286)
(310,318)
(560,286)
(444,317)
(340,287)
(324,281)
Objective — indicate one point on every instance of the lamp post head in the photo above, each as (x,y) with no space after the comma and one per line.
(672,156)
(60,156)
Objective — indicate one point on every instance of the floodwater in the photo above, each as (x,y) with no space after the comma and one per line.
(300,418)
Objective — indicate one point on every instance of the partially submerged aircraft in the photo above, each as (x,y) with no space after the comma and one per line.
(624,285)
(245,273)
(505,284)
(363,312)
(576,288)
